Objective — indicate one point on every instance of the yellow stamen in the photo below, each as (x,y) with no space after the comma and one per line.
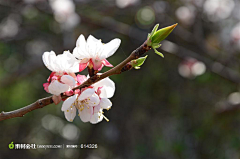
(105,118)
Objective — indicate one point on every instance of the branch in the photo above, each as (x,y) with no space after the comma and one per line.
(22,111)
(122,28)
(123,66)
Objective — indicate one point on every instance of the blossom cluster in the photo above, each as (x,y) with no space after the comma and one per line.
(90,101)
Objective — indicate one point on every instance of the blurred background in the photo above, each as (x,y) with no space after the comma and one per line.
(183,106)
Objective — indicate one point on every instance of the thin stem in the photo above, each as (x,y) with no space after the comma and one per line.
(95,78)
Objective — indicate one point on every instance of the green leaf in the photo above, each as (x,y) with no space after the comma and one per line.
(149,35)
(159,53)
(154,29)
(156,45)
(149,39)
(138,62)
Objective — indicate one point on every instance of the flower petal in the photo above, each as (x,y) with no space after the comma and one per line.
(72,62)
(56,99)
(106,63)
(82,66)
(48,58)
(96,108)
(97,64)
(69,93)
(110,48)
(81,42)
(108,87)
(50,77)
(86,114)
(93,100)
(81,78)
(96,117)
(68,102)
(70,114)
(86,93)
(94,46)
(69,80)
(65,62)
(80,50)
(105,103)
(57,88)
(45,85)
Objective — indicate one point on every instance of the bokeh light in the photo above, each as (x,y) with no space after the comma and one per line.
(9,27)
(234,98)
(190,68)
(185,105)
(218,9)
(125,3)
(186,14)
(145,16)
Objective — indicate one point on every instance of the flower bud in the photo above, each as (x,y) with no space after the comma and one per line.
(156,36)
(161,34)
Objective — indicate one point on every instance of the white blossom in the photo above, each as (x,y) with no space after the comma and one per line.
(65,62)
(93,52)
(63,67)
(83,102)
(108,87)
(66,83)
(91,102)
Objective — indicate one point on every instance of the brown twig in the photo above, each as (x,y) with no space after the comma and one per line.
(122,28)
(48,100)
